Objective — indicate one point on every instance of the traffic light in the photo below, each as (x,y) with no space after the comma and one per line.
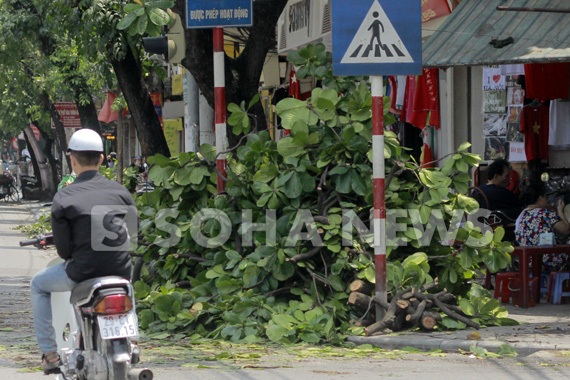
(172,45)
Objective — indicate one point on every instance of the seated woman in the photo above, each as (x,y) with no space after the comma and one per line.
(536,219)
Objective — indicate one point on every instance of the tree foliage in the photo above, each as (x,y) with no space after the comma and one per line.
(293,286)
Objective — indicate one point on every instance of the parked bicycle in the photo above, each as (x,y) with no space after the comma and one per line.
(8,190)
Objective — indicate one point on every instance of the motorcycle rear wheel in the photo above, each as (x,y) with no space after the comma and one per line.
(115,370)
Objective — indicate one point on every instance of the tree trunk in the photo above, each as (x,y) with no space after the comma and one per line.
(87,112)
(61,140)
(129,75)
(55,171)
(242,73)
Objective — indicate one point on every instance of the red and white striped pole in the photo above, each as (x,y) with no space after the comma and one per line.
(220,105)
(377,90)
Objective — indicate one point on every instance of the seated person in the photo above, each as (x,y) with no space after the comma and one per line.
(496,192)
(538,218)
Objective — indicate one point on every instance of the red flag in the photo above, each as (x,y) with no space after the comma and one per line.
(294,87)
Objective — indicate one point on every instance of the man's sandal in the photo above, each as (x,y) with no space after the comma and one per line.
(51,362)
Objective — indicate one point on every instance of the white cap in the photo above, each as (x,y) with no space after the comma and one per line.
(85,140)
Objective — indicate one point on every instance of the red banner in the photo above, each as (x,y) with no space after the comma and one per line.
(68,114)
(432,9)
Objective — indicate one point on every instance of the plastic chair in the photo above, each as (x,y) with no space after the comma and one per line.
(516,291)
(557,290)
(502,288)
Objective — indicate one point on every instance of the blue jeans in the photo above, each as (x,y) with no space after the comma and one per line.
(46,281)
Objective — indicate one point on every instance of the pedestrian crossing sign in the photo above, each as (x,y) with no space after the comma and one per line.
(376,37)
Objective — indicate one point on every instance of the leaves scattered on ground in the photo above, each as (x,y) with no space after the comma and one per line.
(223,355)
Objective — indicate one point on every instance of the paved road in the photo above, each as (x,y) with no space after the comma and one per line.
(19,354)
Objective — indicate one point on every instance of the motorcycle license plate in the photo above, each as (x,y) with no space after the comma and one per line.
(118,326)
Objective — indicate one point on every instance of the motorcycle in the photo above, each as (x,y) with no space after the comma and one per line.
(96,327)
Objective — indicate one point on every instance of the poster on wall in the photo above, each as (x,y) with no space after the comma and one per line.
(495,147)
(493,80)
(514,133)
(514,113)
(494,101)
(495,124)
(515,96)
(512,81)
(516,152)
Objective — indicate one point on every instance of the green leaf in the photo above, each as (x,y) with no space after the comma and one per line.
(370,274)
(287,147)
(275,333)
(163,303)
(142,22)
(336,283)
(309,337)
(358,183)
(253,100)
(127,21)
(158,16)
(293,188)
(507,350)
(164,4)
(467,307)
(464,146)
(132,7)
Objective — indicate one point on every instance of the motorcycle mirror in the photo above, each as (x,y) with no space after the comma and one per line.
(545,177)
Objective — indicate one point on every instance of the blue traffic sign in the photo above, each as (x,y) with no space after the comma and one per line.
(376,37)
(218,13)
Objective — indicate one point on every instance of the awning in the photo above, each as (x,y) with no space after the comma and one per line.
(463,38)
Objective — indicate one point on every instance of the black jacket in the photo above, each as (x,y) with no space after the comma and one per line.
(71,220)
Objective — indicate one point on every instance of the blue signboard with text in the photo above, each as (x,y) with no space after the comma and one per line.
(376,37)
(218,13)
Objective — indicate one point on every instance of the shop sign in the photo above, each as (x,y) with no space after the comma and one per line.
(379,39)
(218,13)
(432,9)
(172,128)
(69,115)
(177,84)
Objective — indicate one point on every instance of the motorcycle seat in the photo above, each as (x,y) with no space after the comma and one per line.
(83,291)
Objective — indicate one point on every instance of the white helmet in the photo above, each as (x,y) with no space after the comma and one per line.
(85,140)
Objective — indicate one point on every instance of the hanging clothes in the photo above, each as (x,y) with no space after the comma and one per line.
(559,124)
(400,96)
(547,81)
(534,122)
(394,95)
(407,108)
(426,100)
(512,69)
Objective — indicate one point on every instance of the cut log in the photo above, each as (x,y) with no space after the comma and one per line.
(448,298)
(403,304)
(447,310)
(361,287)
(388,321)
(415,317)
(361,301)
(429,320)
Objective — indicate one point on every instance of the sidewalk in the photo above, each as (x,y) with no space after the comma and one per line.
(543,327)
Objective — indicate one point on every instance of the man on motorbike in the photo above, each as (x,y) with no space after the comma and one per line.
(77,240)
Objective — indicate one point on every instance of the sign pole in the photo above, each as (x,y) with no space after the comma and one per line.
(378,169)
(220,105)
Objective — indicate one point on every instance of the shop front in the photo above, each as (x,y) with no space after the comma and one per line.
(505,73)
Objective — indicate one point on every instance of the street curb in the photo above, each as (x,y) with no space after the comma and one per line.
(426,343)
